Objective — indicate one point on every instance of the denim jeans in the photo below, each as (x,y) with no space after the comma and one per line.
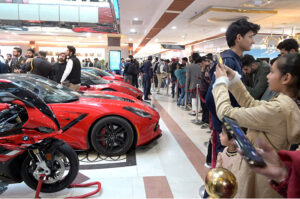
(181,97)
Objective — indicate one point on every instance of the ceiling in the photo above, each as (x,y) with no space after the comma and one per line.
(148,23)
(205,26)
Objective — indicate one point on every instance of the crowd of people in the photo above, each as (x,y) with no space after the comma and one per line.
(63,71)
(262,96)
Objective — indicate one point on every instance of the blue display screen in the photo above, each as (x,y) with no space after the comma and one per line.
(114,59)
(116,6)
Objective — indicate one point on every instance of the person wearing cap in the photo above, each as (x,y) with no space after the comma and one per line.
(147,71)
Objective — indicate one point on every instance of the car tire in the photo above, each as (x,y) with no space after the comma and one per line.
(112,136)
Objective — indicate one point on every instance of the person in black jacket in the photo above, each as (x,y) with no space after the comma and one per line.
(4,68)
(72,73)
(128,71)
(59,68)
(18,60)
(38,66)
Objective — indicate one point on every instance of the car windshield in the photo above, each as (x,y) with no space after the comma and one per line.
(48,90)
(97,72)
(92,79)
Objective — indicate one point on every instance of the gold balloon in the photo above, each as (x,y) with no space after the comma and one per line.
(220,183)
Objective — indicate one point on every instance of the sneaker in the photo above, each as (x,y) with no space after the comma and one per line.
(204,126)
(192,113)
(207,165)
(206,144)
(147,99)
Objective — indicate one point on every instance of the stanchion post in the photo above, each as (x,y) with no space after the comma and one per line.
(196,120)
(186,96)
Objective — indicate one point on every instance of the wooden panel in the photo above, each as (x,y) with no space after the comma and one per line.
(180,5)
(113,41)
(153,32)
(165,19)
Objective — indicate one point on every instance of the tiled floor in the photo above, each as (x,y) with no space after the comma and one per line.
(171,167)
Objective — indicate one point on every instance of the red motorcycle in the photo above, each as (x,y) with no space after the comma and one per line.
(29,148)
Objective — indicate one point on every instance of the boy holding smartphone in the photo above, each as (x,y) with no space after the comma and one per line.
(240,37)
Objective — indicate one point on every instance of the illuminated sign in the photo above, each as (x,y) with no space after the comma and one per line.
(114,59)
(116,7)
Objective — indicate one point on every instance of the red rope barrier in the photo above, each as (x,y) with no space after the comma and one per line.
(214,148)
(201,98)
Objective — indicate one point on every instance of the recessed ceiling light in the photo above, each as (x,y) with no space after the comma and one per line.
(223,29)
(99,37)
(135,19)
(132,30)
(174,27)
(156,40)
(130,39)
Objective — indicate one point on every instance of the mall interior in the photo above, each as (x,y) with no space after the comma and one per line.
(149,99)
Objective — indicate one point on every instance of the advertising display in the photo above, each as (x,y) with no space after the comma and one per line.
(114,59)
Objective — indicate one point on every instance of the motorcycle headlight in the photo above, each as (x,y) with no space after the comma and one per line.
(138,112)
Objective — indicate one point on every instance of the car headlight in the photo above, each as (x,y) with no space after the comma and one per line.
(138,112)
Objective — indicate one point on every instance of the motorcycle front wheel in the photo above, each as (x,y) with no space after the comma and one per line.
(64,166)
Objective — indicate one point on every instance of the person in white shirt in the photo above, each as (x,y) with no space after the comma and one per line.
(72,73)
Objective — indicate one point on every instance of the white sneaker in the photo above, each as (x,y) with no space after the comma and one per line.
(207,165)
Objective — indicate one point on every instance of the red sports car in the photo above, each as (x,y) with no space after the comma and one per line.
(90,82)
(109,122)
(103,74)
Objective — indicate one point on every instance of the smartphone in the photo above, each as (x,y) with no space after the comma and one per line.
(252,157)
(219,59)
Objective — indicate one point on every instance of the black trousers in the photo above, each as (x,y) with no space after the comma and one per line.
(147,86)
(135,81)
(205,112)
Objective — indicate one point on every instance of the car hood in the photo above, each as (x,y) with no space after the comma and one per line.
(117,99)
(123,84)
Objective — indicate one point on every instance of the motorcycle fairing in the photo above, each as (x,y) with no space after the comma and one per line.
(38,116)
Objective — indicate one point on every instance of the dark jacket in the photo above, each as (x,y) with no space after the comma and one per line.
(147,69)
(136,67)
(74,76)
(4,68)
(258,82)
(38,66)
(233,61)
(58,70)
(129,69)
(204,81)
(17,63)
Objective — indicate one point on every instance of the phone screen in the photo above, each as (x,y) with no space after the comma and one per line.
(219,59)
(253,158)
